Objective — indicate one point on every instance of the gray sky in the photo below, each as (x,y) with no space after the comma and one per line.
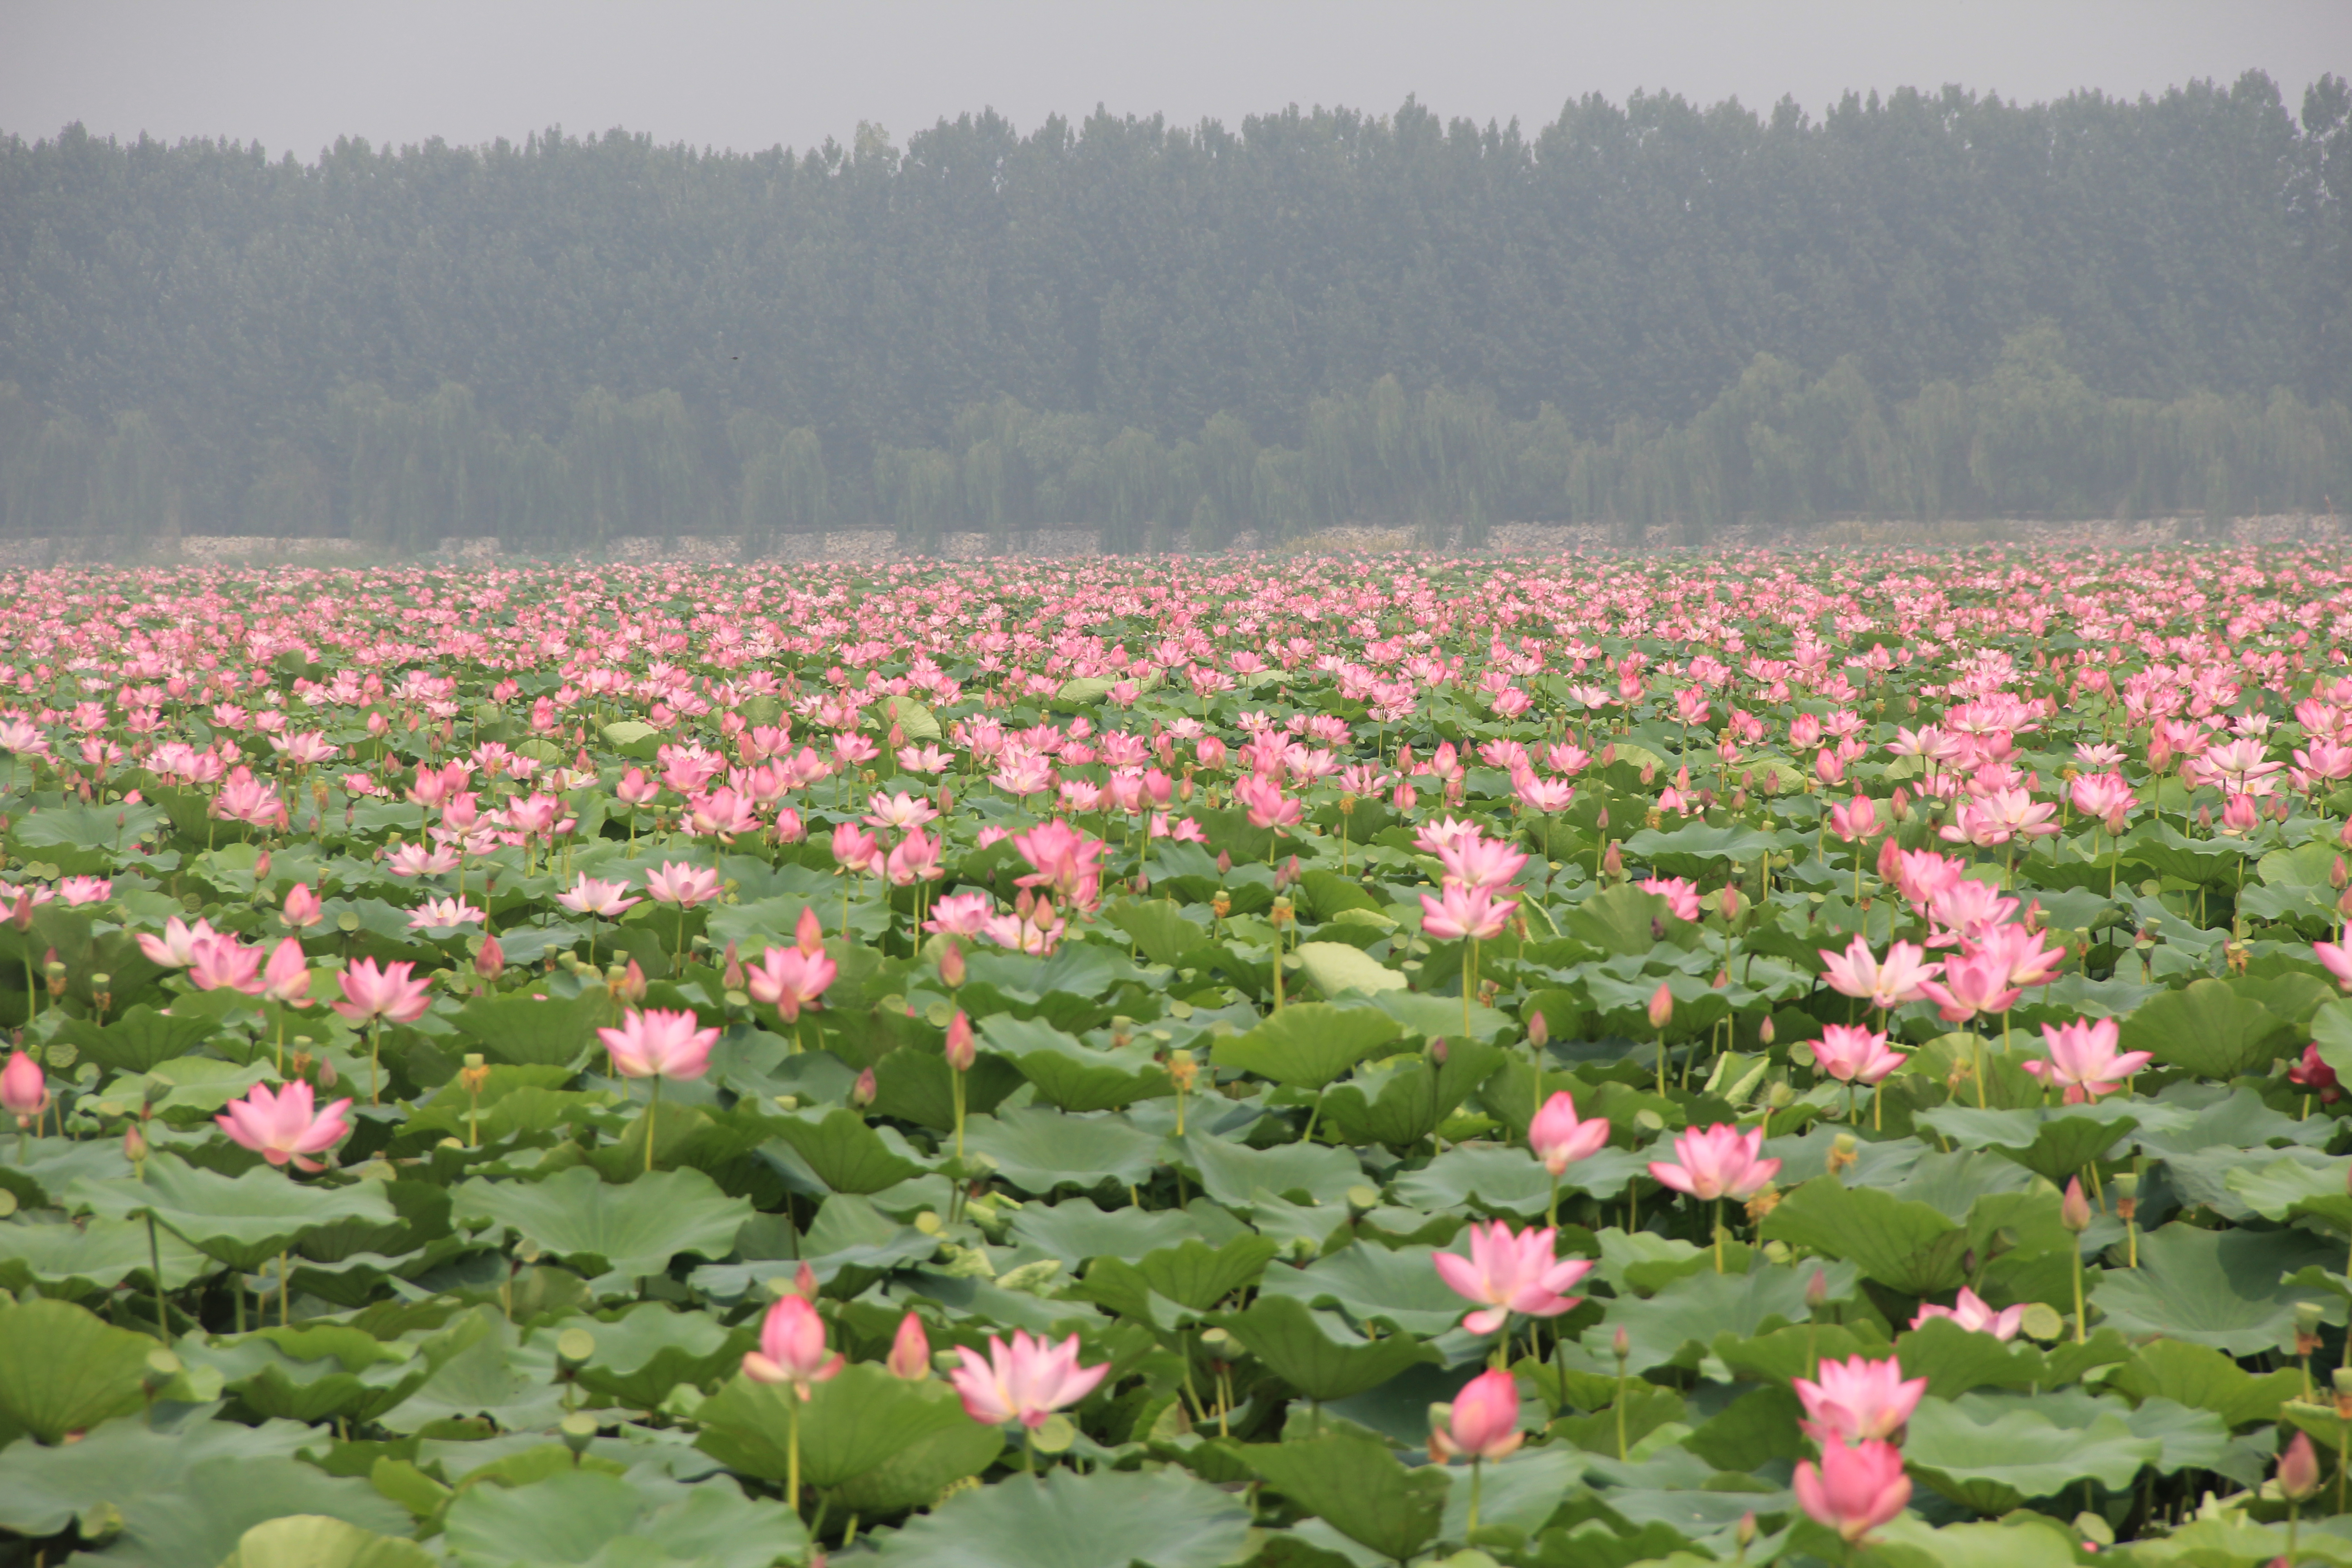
(747,76)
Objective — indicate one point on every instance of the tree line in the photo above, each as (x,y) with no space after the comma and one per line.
(1924,305)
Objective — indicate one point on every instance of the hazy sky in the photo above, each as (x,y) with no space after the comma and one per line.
(747,76)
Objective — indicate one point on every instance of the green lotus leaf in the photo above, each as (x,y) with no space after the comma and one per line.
(1077,1229)
(2053,1142)
(2205,1378)
(650,1348)
(1358,1488)
(581,1516)
(851,1424)
(1307,1045)
(44,1489)
(1233,1173)
(631,1230)
(1373,1284)
(1910,1246)
(2209,1029)
(1075,1076)
(1994,1455)
(2218,1287)
(847,1153)
(201,1518)
(1158,928)
(1400,1104)
(1317,1354)
(1040,1151)
(1337,969)
(72,1261)
(317,1541)
(524,1031)
(64,1371)
(1674,1326)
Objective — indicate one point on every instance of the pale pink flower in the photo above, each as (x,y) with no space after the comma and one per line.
(674,882)
(288,977)
(1857,973)
(2338,962)
(24,1088)
(655,1043)
(1024,1381)
(591,896)
(790,979)
(1968,1310)
(2084,1057)
(301,909)
(1858,1399)
(1720,1163)
(792,1347)
(1680,892)
(1483,1423)
(177,948)
(281,1127)
(77,892)
(910,1351)
(959,914)
(1853,1055)
(225,964)
(1466,912)
(385,992)
(1975,981)
(1511,1273)
(1560,1140)
(442,914)
(1854,1489)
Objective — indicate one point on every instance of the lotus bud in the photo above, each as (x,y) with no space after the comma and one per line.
(1662,1007)
(862,1092)
(731,977)
(2074,1209)
(804,1282)
(1608,754)
(1539,1029)
(1224,864)
(1745,1530)
(1899,805)
(1649,774)
(961,1051)
(1437,1051)
(490,959)
(1612,864)
(951,966)
(2205,819)
(910,1351)
(21,917)
(328,1077)
(1765,1031)
(1288,875)
(1601,819)
(1622,1344)
(2344,833)
(134,1145)
(1817,1291)
(2298,1469)
(1728,900)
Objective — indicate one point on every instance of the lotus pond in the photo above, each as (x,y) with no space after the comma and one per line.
(1309,1063)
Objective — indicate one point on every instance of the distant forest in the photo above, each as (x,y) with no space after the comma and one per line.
(1929,305)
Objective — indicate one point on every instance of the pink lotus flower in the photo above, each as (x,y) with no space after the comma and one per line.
(1855,819)
(1680,892)
(77,891)
(1968,1310)
(1024,1381)
(959,914)
(1484,1422)
(1856,973)
(1720,1163)
(2084,1057)
(1511,1273)
(225,964)
(301,909)
(792,1347)
(2102,795)
(442,914)
(24,1088)
(685,886)
(1858,1399)
(1853,1055)
(1268,806)
(287,978)
(790,978)
(1560,1140)
(387,993)
(1974,983)
(177,948)
(1856,1490)
(1067,863)
(2338,962)
(282,1126)
(591,896)
(910,1351)
(1466,912)
(659,1044)
(1472,860)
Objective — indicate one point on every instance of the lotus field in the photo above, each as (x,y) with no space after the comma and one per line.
(1309,1063)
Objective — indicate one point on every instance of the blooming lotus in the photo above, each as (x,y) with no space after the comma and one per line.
(1851,1055)
(1720,1163)
(283,1126)
(686,886)
(2083,1058)
(792,1347)
(1857,973)
(1472,913)
(1858,1399)
(1969,1312)
(1558,1139)
(654,1043)
(1483,1423)
(1856,1490)
(1511,1272)
(1024,1380)
(177,948)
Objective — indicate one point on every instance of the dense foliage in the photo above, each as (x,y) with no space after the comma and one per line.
(1655,311)
(1592,1065)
